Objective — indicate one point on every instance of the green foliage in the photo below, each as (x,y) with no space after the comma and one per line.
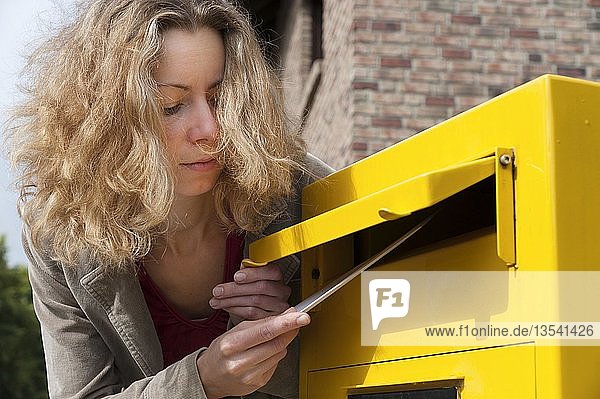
(22,371)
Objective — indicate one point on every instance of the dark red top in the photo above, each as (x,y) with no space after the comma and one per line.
(178,335)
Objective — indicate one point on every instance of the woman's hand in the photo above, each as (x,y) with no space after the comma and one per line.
(256,293)
(244,358)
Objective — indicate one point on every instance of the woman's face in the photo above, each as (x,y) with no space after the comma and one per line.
(188,75)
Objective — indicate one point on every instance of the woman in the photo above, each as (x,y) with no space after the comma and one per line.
(152,148)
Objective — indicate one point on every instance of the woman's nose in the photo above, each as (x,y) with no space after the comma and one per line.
(203,123)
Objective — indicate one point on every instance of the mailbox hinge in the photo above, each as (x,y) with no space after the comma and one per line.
(505,205)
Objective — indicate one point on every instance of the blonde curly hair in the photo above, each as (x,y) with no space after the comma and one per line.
(89,144)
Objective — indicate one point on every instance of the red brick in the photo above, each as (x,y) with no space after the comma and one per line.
(362,85)
(432,112)
(415,87)
(449,41)
(459,77)
(365,60)
(573,72)
(518,2)
(420,28)
(491,9)
(429,65)
(466,66)
(390,73)
(555,12)
(426,52)
(439,101)
(359,146)
(360,24)
(396,110)
(467,89)
(466,19)
(388,26)
(500,20)
(420,124)
(469,102)
(568,23)
(395,62)
(431,17)
(525,33)
(389,121)
(568,48)
(534,46)
(559,58)
(533,23)
(497,67)
(365,37)
(451,53)
(481,42)
(525,12)
(594,3)
(426,76)
(490,32)
(387,98)
(456,29)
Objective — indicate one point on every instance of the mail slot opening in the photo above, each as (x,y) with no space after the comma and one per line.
(440,393)
(471,209)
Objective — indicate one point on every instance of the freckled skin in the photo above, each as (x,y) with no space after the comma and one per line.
(188,74)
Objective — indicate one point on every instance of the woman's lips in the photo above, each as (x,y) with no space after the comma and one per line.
(201,165)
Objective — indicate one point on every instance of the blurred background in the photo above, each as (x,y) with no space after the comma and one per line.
(359,76)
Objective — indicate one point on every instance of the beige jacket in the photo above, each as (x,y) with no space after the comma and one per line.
(99,339)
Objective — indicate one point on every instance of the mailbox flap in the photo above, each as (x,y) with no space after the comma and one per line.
(393,202)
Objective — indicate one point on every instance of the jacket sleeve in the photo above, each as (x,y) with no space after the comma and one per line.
(78,361)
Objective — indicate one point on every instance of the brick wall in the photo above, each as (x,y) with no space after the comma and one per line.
(392,68)
(328,127)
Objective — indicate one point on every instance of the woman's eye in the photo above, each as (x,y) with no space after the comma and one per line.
(212,101)
(168,111)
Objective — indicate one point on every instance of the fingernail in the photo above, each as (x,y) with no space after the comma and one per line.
(212,303)
(303,319)
(218,291)
(239,276)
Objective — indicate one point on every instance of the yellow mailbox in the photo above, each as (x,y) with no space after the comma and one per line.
(516,182)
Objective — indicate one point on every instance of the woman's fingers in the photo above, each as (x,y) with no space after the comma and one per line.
(252,333)
(270,272)
(243,359)
(256,293)
(262,287)
(253,303)
(254,299)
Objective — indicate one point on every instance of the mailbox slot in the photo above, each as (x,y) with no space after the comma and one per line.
(468,210)
(399,201)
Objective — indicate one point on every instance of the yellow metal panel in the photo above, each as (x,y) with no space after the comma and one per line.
(335,329)
(560,372)
(498,373)
(574,151)
(397,200)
